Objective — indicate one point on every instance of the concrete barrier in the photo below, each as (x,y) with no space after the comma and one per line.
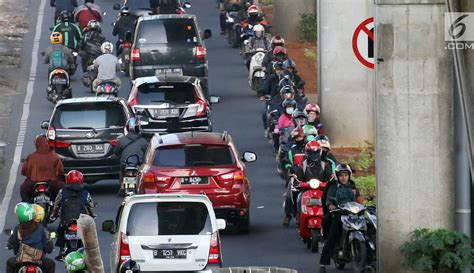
(287,16)
(254,269)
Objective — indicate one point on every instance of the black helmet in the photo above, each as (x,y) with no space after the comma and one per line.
(289,63)
(288,102)
(342,167)
(286,89)
(300,119)
(133,125)
(65,16)
(278,65)
(129,266)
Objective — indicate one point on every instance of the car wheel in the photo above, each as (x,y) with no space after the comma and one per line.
(243,226)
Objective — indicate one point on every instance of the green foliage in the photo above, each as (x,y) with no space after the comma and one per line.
(310,54)
(266,2)
(365,160)
(307,27)
(437,250)
(367,185)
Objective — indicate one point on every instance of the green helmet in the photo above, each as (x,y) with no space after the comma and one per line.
(74,262)
(310,130)
(25,212)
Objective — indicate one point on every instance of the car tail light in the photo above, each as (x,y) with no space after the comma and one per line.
(180,11)
(30,269)
(135,54)
(149,177)
(215,251)
(72,227)
(133,102)
(124,251)
(237,175)
(61,144)
(201,52)
(126,45)
(113,142)
(202,108)
(51,133)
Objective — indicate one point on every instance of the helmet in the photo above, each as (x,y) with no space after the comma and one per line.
(259,30)
(288,103)
(324,141)
(310,130)
(74,262)
(277,41)
(129,266)
(313,150)
(39,213)
(277,65)
(253,11)
(107,47)
(74,176)
(124,11)
(25,212)
(56,38)
(300,118)
(133,125)
(93,24)
(65,16)
(285,79)
(312,107)
(279,50)
(297,132)
(289,63)
(342,167)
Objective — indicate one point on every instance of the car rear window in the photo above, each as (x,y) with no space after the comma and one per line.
(89,115)
(193,155)
(168,31)
(182,93)
(168,218)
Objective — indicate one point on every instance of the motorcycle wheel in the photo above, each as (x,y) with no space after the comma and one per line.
(234,40)
(359,255)
(315,236)
(257,83)
(340,266)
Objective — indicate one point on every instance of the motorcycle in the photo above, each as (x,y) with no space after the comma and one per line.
(74,67)
(256,73)
(130,176)
(352,245)
(107,88)
(72,240)
(310,215)
(42,197)
(124,56)
(59,85)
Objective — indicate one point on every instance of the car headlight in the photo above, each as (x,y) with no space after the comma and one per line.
(314,183)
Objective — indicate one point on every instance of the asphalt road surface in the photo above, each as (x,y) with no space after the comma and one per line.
(268,244)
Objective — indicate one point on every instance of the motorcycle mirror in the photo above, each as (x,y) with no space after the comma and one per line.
(44,124)
(8,232)
(116,6)
(249,157)
(186,5)
(108,226)
(207,34)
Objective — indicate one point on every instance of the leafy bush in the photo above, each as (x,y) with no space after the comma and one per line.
(307,27)
(266,2)
(310,54)
(367,185)
(365,160)
(437,250)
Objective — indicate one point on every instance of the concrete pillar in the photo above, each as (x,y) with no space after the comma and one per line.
(287,14)
(414,124)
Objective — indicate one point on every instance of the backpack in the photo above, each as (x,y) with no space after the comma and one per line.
(58,58)
(72,204)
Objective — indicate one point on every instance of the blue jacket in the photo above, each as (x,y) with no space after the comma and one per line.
(36,239)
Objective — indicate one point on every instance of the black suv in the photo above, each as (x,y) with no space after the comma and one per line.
(169,43)
(149,7)
(170,104)
(84,132)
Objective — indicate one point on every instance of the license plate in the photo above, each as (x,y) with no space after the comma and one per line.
(194,180)
(169,253)
(41,199)
(58,81)
(166,113)
(130,180)
(169,71)
(126,57)
(72,237)
(314,202)
(90,149)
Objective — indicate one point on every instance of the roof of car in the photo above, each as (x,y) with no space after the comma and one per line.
(166,16)
(165,197)
(193,138)
(89,99)
(155,79)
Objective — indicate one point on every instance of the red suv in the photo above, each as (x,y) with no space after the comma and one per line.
(200,163)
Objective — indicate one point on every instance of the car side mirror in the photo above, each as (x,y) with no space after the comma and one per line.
(249,157)
(8,232)
(207,34)
(186,5)
(214,99)
(133,160)
(44,124)
(116,6)
(221,224)
(108,226)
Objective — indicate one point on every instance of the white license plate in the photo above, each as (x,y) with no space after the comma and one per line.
(130,180)
(166,113)
(169,71)
(90,149)
(41,199)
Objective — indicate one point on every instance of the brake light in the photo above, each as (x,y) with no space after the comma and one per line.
(126,45)
(200,52)
(202,108)
(41,188)
(133,102)
(113,142)
(72,227)
(180,11)
(149,177)
(135,54)
(61,144)
(214,250)
(51,135)
(124,249)
(237,175)
(30,269)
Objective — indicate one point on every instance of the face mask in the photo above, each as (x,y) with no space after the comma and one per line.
(289,110)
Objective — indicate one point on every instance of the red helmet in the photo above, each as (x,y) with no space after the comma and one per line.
(253,9)
(279,50)
(74,177)
(277,41)
(312,146)
(312,107)
(297,132)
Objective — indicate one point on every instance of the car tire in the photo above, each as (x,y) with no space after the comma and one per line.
(243,226)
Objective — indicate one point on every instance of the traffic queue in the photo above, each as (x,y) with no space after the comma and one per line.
(180,182)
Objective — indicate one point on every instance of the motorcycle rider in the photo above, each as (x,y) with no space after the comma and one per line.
(296,152)
(313,112)
(279,55)
(72,34)
(107,65)
(275,41)
(58,55)
(271,84)
(87,12)
(89,48)
(125,24)
(284,121)
(62,5)
(232,5)
(310,132)
(290,66)
(72,200)
(133,143)
(29,235)
(43,165)
(344,191)
(299,119)
(75,262)
(253,17)
(259,40)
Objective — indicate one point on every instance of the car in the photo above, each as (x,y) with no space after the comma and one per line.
(171,104)
(140,7)
(84,132)
(169,44)
(200,163)
(166,232)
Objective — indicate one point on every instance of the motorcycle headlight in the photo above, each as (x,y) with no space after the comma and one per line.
(314,183)
(354,209)
(230,20)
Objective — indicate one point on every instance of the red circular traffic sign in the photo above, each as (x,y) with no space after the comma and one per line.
(363,29)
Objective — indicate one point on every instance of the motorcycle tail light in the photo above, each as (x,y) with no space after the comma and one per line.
(108,88)
(126,45)
(113,142)
(30,269)
(72,227)
(41,188)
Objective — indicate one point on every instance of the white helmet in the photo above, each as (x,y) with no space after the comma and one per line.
(107,47)
(258,29)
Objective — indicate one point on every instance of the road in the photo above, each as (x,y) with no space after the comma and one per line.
(268,243)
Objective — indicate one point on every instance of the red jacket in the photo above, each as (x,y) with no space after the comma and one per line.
(87,12)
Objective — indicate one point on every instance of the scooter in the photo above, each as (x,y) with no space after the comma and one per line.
(41,196)
(107,88)
(310,215)
(124,56)
(256,73)
(130,176)
(72,240)
(59,85)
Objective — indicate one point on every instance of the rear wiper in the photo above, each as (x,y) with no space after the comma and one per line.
(85,128)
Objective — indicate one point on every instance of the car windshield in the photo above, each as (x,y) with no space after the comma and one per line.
(181,93)
(89,115)
(193,155)
(167,31)
(168,218)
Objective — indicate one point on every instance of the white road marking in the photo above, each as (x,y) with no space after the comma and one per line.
(24,120)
